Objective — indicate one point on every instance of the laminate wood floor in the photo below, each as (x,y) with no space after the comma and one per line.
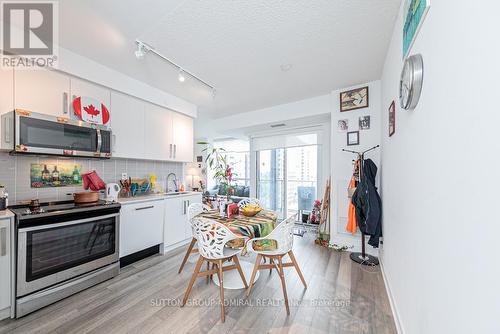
(342,297)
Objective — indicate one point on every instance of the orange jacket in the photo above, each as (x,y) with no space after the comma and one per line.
(352,225)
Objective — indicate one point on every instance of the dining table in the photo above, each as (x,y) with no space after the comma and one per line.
(257,226)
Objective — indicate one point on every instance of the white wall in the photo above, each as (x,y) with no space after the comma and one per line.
(341,162)
(440,252)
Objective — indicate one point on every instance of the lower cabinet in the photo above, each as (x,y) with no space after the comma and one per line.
(5,267)
(141,226)
(177,228)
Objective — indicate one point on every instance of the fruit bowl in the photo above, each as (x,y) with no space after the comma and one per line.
(250,210)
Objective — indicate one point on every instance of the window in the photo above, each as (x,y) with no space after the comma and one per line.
(238,157)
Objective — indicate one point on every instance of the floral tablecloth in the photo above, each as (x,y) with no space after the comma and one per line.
(257,226)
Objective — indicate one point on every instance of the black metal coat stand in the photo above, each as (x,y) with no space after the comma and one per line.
(363,258)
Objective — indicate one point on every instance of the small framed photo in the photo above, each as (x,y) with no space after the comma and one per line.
(199,158)
(364,122)
(392,119)
(354,99)
(353,138)
(343,125)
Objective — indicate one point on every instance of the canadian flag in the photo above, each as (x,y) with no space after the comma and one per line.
(90,110)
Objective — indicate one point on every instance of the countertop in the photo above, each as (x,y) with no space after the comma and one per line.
(6,214)
(153,197)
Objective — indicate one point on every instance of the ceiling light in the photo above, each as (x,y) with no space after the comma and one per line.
(141,50)
(277,125)
(182,78)
(286,67)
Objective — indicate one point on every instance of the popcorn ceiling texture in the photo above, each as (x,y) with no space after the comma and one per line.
(15,174)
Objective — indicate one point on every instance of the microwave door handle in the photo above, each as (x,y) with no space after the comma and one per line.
(99,141)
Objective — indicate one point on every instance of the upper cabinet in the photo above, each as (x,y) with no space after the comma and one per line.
(7,90)
(99,93)
(127,117)
(157,133)
(42,91)
(182,138)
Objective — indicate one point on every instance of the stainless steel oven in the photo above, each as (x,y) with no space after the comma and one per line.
(29,132)
(62,252)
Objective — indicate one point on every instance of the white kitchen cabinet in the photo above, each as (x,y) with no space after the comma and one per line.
(42,91)
(182,137)
(128,126)
(157,133)
(5,267)
(7,90)
(177,228)
(141,226)
(99,93)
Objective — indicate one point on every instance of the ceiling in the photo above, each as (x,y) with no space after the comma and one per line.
(236,45)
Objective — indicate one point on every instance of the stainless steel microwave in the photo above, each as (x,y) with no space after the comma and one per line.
(26,132)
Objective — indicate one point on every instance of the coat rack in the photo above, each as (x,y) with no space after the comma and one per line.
(363,258)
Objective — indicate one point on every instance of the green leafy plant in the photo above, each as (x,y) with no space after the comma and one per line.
(217,161)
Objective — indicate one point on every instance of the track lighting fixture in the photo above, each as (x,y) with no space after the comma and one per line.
(182,78)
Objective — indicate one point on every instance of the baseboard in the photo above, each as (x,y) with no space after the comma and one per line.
(5,313)
(354,241)
(175,248)
(394,309)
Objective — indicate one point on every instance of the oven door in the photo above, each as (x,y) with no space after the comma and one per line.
(45,134)
(52,253)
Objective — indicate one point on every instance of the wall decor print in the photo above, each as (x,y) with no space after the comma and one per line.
(353,138)
(415,11)
(392,119)
(59,175)
(90,110)
(343,125)
(364,122)
(354,99)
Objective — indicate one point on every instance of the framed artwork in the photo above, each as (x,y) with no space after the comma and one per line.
(343,125)
(415,12)
(364,122)
(392,119)
(354,99)
(199,158)
(353,138)
(59,175)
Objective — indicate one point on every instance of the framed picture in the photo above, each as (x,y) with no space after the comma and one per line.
(415,12)
(354,99)
(364,122)
(392,119)
(353,138)
(343,125)
(199,158)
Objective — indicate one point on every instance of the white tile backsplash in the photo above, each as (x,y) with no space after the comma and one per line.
(15,174)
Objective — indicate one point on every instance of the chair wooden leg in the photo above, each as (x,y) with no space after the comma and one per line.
(271,269)
(283,284)
(193,278)
(190,248)
(296,265)
(208,269)
(255,269)
(221,283)
(238,266)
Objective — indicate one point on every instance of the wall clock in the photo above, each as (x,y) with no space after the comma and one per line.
(410,84)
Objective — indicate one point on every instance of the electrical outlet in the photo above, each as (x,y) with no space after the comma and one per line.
(124,176)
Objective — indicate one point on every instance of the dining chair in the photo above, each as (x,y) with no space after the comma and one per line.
(194,209)
(283,235)
(248,201)
(212,237)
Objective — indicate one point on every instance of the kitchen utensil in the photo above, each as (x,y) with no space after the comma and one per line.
(112,191)
(250,210)
(86,197)
(34,205)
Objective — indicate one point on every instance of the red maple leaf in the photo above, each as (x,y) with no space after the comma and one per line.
(91,110)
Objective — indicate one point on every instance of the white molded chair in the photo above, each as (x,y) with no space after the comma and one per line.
(212,238)
(248,201)
(283,235)
(193,210)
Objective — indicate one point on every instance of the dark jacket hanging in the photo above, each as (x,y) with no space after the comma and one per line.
(368,205)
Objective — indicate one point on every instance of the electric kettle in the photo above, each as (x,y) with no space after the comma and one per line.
(112,191)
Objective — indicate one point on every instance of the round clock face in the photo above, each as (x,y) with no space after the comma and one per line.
(410,84)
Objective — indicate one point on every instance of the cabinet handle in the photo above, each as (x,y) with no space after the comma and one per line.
(65,103)
(113,143)
(175,151)
(144,208)
(3,241)
(185,208)
(170,154)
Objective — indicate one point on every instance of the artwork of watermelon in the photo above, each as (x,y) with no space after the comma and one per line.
(90,110)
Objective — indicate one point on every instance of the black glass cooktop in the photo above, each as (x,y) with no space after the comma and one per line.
(47,208)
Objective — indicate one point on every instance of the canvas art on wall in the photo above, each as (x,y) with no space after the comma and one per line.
(415,11)
(343,125)
(353,138)
(392,119)
(364,122)
(354,99)
(60,175)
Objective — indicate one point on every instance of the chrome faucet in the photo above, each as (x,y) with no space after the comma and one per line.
(174,182)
